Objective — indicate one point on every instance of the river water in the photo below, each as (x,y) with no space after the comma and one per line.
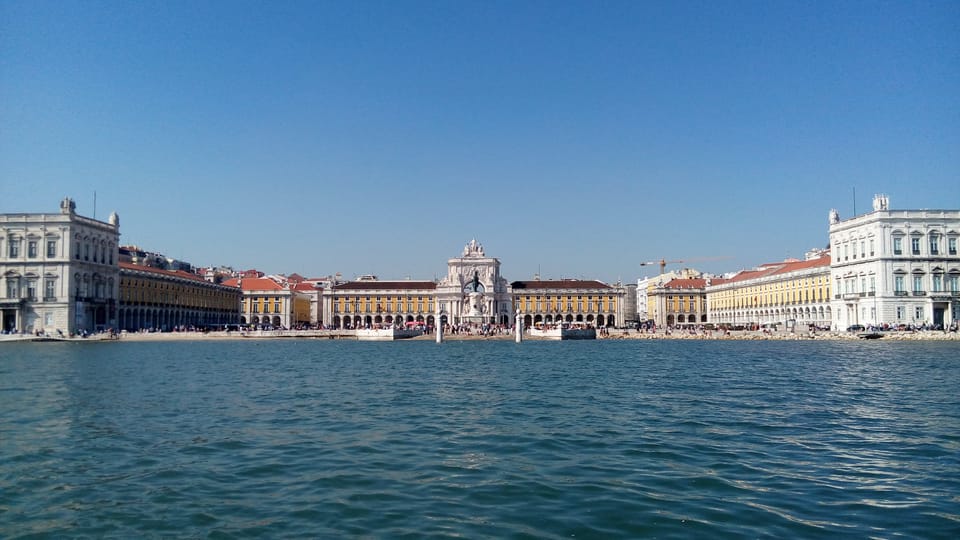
(603,439)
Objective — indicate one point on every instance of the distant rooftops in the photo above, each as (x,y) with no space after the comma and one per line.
(560,284)
(369,285)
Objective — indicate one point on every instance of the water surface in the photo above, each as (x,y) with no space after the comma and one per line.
(597,439)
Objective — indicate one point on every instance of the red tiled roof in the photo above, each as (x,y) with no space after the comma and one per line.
(779,268)
(160,271)
(560,284)
(800,265)
(306,287)
(254,284)
(385,285)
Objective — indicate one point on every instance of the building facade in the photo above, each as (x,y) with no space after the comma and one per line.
(59,272)
(270,303)
(155,298)
(472,292)
(681,301)
(591,302)
(652,301)
(787,294)
(374,303)
(895,267)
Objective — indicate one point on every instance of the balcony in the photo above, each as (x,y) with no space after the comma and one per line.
(919,293)
(899,293)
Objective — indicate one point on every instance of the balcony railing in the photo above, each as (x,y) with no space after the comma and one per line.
(919,293)
(899,293)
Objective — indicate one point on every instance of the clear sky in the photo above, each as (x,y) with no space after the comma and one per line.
(577,138)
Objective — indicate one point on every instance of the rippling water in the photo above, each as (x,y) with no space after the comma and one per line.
(480,439)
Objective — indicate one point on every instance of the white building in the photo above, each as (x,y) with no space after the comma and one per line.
(895,267)
(643,286)
(473,290)
(59,272)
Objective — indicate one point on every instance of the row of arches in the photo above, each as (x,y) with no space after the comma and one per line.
(358,321)
(134,319)
(685,319)
(599,320)
(818,315)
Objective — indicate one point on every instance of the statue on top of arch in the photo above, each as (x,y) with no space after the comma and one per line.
(473,249)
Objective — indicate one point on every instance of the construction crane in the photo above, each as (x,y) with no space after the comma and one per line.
(663,262)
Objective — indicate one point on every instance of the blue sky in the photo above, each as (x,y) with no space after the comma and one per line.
(577,138)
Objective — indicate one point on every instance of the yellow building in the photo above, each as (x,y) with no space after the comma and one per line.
(679,302)
(790,293)
(269,304)
(373,303)
(568,300)
(164,299)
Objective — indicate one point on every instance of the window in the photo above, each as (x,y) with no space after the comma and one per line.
(937,283)
(14,248)
(873,284)
(256,307)
(953,281)
(871,247)
(846,251)
(32,290)
(86,252)
(917,284)
(900,311)
(863,249)
(898,246)
(50,289)
(934,245)
(51,248)
(918,313)
(13,288)
(898,284)
(952,246)
(915,245)
(276,305)
(32,249)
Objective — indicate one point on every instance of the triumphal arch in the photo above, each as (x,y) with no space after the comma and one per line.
(473,290)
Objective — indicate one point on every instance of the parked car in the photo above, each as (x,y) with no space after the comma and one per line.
(855,328)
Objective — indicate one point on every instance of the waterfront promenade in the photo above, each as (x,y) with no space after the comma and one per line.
(928,335)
